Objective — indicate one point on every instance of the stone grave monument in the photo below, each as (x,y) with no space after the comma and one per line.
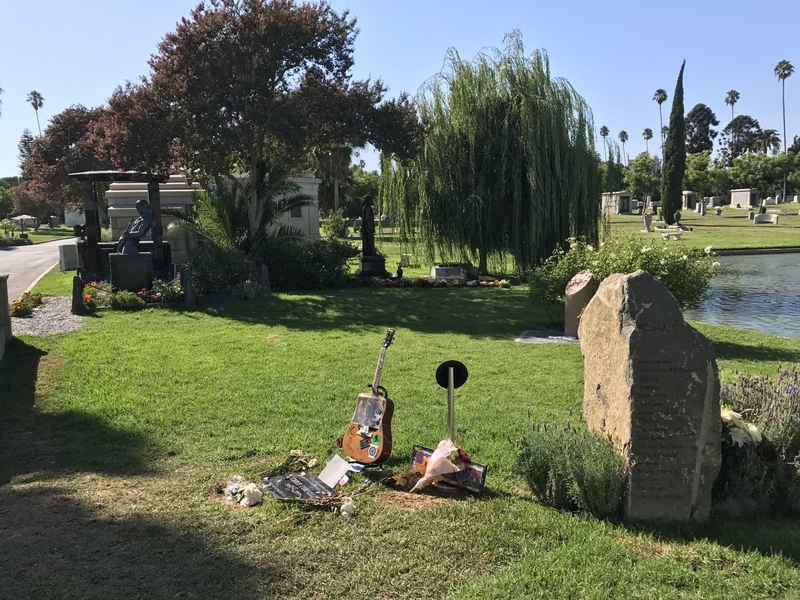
(578,293)
(651,382)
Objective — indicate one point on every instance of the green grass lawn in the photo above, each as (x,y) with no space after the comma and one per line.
(732,230)
(48,234)
(115,439)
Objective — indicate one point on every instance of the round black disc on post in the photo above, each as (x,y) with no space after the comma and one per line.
(460,373)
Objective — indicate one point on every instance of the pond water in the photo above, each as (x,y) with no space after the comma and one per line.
(760,292)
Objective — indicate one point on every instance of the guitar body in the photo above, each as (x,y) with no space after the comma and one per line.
(367,444)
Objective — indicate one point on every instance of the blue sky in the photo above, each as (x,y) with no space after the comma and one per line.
(615,53)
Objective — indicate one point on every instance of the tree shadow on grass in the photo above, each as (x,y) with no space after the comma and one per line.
(55,545)
(732,351)
(484,313)
(767,537)
(35,441)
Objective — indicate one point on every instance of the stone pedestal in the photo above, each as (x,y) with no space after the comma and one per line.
(372,266)
(651,383)
(131,272)
(5,315)
(577,295)
(189,298)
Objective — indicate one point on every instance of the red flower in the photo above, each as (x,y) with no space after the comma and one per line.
(87,297)
(93,284)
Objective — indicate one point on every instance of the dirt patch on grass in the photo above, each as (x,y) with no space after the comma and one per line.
(407,501)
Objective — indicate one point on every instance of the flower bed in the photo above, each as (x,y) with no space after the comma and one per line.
(25,305)
(424,282)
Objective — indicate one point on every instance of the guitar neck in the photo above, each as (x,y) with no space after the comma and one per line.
(377,380)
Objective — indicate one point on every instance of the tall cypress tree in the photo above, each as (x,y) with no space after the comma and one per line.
(674,155)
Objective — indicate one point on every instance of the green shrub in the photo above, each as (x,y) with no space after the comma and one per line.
(333,224)
(685,272)
(217,270)
(308,265)
(573,470)
(125,300)
(247,290)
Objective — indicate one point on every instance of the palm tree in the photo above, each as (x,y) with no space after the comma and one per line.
(221,218)
(661,96)
(784,70)
(37,101)
(767,140)
(647,134)
(604,135)
(731,99)
(623,137)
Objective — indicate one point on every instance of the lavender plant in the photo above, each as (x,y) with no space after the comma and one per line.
(573,469)
(774,407)
(760,445)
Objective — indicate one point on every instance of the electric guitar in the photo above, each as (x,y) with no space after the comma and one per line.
(368,438)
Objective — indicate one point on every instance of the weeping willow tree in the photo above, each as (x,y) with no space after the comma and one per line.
(508,165)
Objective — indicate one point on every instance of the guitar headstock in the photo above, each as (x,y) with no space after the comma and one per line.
(387,341)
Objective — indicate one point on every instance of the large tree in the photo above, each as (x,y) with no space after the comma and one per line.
(761,171)
(699,133)
(25,146)
(731,99)
(704,176)
(36,101)
(251,87)
(64,148)
(508,166)
(641,176)
(739,136)
(674,155)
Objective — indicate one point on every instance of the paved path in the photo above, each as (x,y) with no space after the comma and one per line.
(25,264)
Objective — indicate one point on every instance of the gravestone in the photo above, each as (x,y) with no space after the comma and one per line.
(647,218)
(577,294)
(651,383)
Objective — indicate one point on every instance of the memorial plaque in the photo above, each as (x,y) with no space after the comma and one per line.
(131,272)
(651,382)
